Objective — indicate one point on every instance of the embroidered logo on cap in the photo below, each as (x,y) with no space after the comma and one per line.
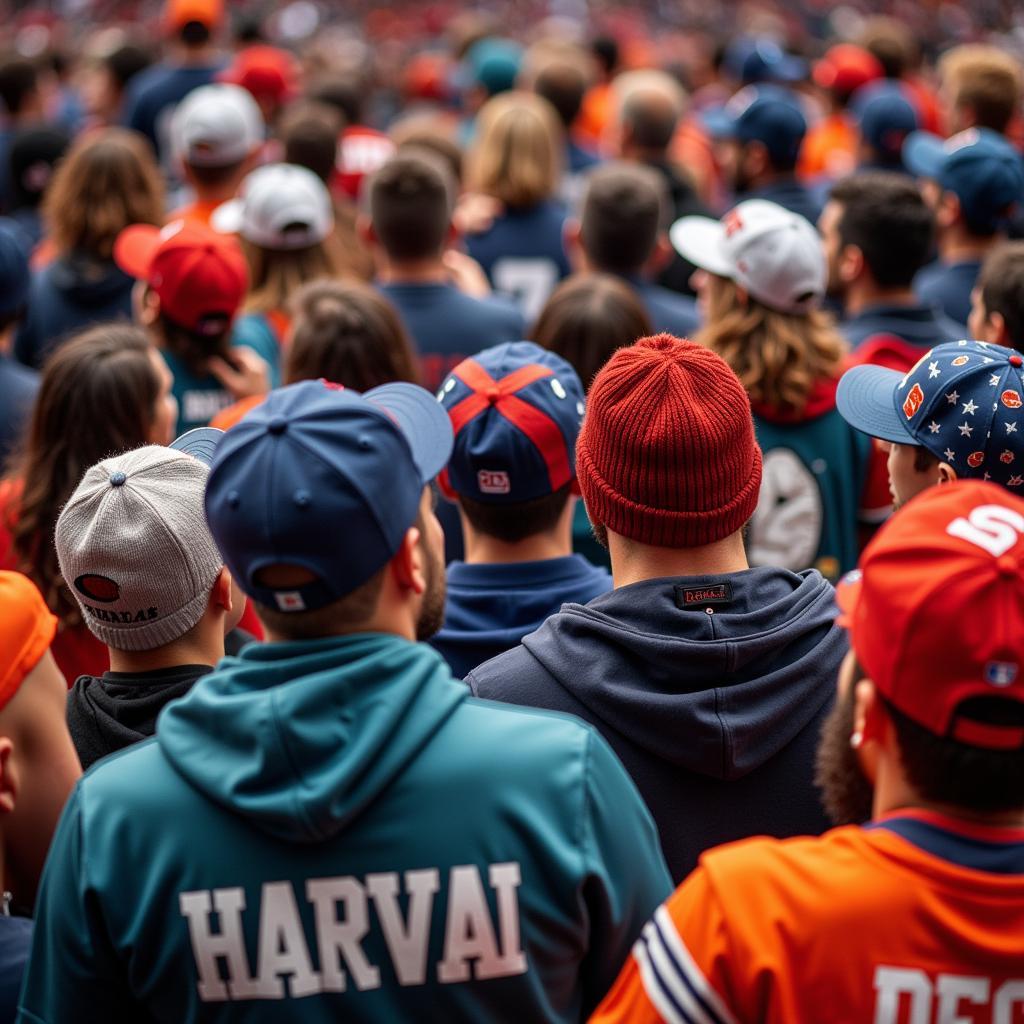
(913,401)
(290,601)
(98,588)
(1001,673)
(494,481)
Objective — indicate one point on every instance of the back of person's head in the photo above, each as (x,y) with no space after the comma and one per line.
(193,22)
(650,105)
(434,133)
(411,199)
(563,83)
(33,158)
(667,455)
(588,318)
(982,85)
(108,180)
(112,368)
(283,216)
(343,92)
(125,62)
(19,84)
(129,513)
(336,457)
(624,209)
(606,52)
(885,217)
(349,334)
(38,766)
(516,155)
(936,577)
(892,44)
(308,130)
(516,411)
(1000,289)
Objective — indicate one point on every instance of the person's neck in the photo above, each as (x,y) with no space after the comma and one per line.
(189,650)
(956,245)
(428,271)
(634,563)
(481,549)
(214,194)
(645,155)
(764,179)
(864,294)
(195,56)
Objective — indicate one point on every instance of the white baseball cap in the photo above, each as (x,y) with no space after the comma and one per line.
(216,125)
(776,255)
(280,206)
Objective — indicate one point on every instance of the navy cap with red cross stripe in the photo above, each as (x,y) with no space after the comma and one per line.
(516,410)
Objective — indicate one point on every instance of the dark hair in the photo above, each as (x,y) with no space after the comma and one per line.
(516,522)
(411,206)
(191,347)
(1002,288)
(349,334)
(194,34)
(924,459)
(946,771)
(563,85)
(18,81)
(606,50)
(32,159)
(214,177)
(344,94)
(623,211)
(309,131)
(126,62)
(884,215)
(97,398)
(419,132)
(587,318)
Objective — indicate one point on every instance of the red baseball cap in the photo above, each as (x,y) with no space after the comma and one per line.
(845,68)
(199,276)
(266,71)
(936,612)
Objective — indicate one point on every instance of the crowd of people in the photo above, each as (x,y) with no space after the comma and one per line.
(513,522)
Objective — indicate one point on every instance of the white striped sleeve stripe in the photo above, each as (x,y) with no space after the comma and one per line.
(672,984)
(652,986)
(689,972)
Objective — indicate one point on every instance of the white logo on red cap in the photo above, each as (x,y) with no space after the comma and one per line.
(994,528)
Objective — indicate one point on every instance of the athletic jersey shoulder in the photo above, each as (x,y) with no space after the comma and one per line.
(884,924)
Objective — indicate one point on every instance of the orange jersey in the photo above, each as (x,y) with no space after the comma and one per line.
(829,149)
(911,920)
(195,213)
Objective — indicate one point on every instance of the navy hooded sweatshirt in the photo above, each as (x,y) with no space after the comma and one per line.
(710,689)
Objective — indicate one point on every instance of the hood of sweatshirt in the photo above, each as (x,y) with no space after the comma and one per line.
(715,674)
(299,738)
(87,281)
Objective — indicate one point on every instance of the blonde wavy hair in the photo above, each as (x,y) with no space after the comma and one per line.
(779,357)
(516,156)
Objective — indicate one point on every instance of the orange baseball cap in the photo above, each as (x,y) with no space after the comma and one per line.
(27,629)
(179,13)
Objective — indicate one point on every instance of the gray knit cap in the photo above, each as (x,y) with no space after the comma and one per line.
(135,550)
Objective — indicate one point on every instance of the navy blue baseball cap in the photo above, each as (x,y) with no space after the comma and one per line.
(762,113)
(886,117)
(963,401)
(983,170)
(14,271)
(326,479)
(516,411)
(752,59)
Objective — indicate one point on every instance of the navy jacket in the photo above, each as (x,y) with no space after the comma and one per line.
(670,312)
(713,703)
(72,293)
(791,195)
(490,608)
(948,287)
(918,325)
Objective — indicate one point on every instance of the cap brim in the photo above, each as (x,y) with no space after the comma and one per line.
(719,124)
(227,218)
(924,154)
(847,596)
(134,249)
(865,400)
(790,69)
(422,420)
(200,443)
(699,240)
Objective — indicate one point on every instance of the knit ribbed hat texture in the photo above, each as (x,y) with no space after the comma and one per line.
(667,454)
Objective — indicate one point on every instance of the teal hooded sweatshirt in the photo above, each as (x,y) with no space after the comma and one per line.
(336,830)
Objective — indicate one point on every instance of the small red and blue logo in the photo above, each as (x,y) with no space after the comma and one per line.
(98,588)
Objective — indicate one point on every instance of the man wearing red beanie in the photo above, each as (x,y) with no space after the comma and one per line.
(709,679)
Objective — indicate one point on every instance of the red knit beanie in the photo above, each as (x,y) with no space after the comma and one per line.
(667,454)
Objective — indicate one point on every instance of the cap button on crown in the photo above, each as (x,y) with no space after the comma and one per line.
(117,479)
(1016,360)
(278,425)
(493,394)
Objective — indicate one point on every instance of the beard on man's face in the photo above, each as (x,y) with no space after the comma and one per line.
(845,791)
(431,617)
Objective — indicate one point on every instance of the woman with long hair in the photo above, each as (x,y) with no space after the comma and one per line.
(344,332)
(106,391)
(284,218)
(106,181)
(760,285)
(516,161)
